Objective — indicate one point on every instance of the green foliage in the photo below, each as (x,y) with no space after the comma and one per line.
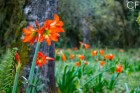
(138,19)
(109,23)
(11,23)
(7,71)
(69,80)
(93,78)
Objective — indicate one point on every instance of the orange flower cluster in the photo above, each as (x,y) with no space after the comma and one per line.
(41,59)
(77,64)
(94,53)
(86,46)
(102,63)
(48,32)
(102,52)
(81,57)
(109,56)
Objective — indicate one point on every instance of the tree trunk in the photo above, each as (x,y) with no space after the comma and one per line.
(85,31)
(41,10)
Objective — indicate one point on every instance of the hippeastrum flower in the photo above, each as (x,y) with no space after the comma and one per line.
(77,64)
(86,63)
(51,29)
(102,63)
(31,34)
(119,68)
(86,46)
(41,59)
(109,56)
(102,52)
(63,57)
(94,53)
(71,56)
(81,57)
(17,57)
(75,48)
(18,62)
(49,58)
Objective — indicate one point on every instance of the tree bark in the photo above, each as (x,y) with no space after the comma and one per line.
(85,31)
(41,10)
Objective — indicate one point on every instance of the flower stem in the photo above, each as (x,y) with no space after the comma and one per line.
(30,79)
(15,82)
(35,81)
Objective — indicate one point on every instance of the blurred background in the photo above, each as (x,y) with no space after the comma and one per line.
(100,23)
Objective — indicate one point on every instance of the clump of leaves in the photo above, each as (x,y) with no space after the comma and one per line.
(7,70)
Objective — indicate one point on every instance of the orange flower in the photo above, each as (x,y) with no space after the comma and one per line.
(119,68)
(31,34)
(49,58)
(102,52)
(110,56)
(75,48)
(41,59)
(17,57)
(71,56)
(94,53)
(86,46)
(102,63)
(86,63)
(50,30)
(77,64)
(81,57)
(63,57)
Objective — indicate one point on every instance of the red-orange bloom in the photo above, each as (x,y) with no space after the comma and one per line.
(41,59)
(81,57)
(63,57)
(110,56)
(119,68)
(102,52)
(77,64)
(31,34)
(17,58)
(71,56)
(50,30)
(86,63)
(102,63)
(94,53)
(75,48)
(86,46)
(49,58)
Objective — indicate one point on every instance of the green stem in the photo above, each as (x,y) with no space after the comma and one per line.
(35,81)
(15,82)
(30,79)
